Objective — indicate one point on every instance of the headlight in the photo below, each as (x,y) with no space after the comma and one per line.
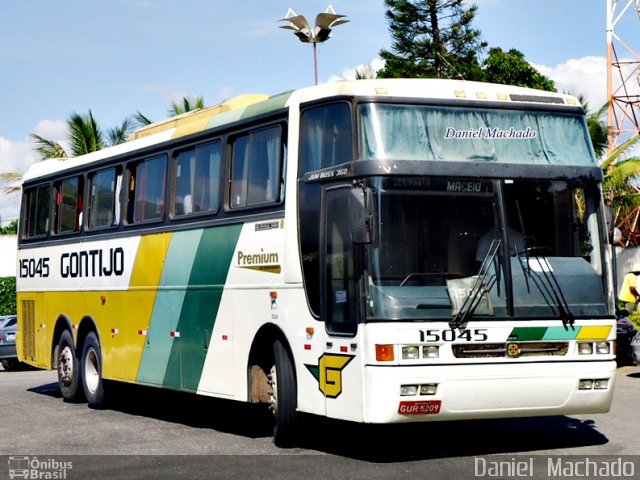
(410,353)
(428,389)
(601,384)
(408,390)
(585,348)
(430,351)
(585,385)
(603,348)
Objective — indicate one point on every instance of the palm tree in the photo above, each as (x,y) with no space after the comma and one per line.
(618,168)
(188,104)
(11,181)
(619,172)
(85,136)
(597,126)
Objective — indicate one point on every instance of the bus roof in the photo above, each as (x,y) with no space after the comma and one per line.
(251,105)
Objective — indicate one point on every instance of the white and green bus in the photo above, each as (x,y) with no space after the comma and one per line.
(375,251)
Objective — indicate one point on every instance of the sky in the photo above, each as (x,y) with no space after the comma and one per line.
(118,57)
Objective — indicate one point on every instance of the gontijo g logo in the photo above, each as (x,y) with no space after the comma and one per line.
(328,372)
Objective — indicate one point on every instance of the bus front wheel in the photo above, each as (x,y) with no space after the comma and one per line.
(68,369)
(284,397)
(92,371)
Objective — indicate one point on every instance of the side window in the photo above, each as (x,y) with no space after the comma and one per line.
(37,204)
(147,181)
(197,177)
(256,168)
(68,205)
(104,196)
(325,137)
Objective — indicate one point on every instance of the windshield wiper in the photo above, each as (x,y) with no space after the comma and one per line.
(479,288)
(547,284)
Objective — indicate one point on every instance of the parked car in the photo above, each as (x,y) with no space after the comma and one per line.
(626,332)
(8,355)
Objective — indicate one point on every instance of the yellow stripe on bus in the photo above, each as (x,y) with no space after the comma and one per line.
(600,332)
(140,298)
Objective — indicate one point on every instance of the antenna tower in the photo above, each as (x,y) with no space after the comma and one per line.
(623,95)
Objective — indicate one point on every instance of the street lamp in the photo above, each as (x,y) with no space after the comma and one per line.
(320,33)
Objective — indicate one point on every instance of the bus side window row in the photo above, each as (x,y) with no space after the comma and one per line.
(255,179)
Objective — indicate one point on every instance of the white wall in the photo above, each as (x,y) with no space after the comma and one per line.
(8,255)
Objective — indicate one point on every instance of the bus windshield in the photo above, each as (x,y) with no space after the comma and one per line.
(463,134)
(530,249)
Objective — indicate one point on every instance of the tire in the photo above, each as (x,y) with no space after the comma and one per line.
(10,364)
(284,398)
(91,366)
(69,369)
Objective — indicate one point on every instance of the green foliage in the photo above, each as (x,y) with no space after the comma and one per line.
(598,130)
(118,135)
(84,134)
(188,104)
(48,148)
(435,39)
(432,38)
(8,295)
(619,171)
(511,68)
(11,182)
(10,229)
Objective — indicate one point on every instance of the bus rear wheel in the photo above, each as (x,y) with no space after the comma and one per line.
(91,366)
(68,369)
(284,397)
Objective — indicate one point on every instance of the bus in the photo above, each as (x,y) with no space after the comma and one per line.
(375,251)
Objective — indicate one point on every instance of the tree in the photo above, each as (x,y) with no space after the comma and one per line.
(511,68)
(432,38)
(188,104)
(619,171)
(598,130)
(85,136)
(11,181)
(8,296)
(10,229)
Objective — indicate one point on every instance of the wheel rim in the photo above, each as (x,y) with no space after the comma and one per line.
(273,394)
(91,373)
(65,366)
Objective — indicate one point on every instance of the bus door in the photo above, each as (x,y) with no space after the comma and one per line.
(342,363)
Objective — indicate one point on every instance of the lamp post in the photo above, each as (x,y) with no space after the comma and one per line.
(313,35)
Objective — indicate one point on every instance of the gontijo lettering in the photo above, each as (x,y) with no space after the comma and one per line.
(92,263)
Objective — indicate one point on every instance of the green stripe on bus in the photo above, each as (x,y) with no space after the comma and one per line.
(523,334)
(200,306)
(168,305)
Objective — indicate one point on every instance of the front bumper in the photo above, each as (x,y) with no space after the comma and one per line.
(487,391)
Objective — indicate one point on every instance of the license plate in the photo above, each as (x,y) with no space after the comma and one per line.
(423,407)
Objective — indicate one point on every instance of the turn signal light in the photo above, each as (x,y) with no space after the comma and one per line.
(384,353)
